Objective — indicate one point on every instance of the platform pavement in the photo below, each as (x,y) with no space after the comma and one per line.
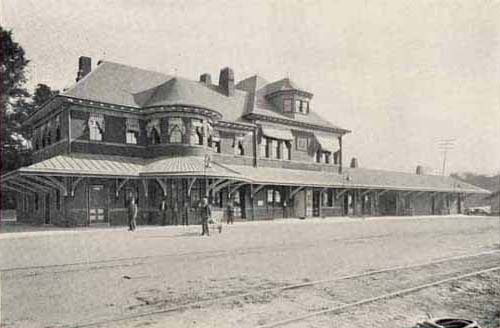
(42,231)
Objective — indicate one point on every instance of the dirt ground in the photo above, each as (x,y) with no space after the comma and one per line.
(172,277)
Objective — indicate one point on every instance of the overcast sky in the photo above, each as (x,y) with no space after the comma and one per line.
(401,75)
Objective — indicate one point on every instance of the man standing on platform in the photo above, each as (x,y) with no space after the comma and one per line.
(132,213)
(206,213)
(230,212)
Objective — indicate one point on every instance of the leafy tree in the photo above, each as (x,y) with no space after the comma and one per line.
(12,90)
(16,104)
(43,93)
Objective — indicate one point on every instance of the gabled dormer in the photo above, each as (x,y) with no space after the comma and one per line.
(288,98)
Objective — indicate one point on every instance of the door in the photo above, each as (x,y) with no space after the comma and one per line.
(97,204)
(316,203)
(241,199)
(299,204)
(47,208)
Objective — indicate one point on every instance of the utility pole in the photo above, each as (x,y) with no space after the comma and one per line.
(444,146)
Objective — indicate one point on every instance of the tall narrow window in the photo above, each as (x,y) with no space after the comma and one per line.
(48,134)
(263,147)
(270,196)
(132,131)
(96,126)
(176,130)
(277,196)
(36,139)
(287,105)
(288,150)
(197,132)
(58,200)
(277,149)
(153,132)
(42,135)
(57,124)
(269,148)
(239,149)
(336,157)
(36,202)
(319,154)
(298,106)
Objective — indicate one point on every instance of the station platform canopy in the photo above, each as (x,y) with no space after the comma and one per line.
(105,166)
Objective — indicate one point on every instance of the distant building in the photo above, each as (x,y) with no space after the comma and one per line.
(123,132)
(493,201)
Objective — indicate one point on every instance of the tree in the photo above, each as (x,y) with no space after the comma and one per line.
(12,90)
(16,103)
(43,93)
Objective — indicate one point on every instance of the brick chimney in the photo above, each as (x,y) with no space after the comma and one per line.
(206,78)
(354,163)
(226,81)
(419,170)
(84,67)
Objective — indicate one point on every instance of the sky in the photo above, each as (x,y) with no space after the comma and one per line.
(401,75)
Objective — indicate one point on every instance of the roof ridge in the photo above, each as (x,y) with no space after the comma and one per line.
(129,66)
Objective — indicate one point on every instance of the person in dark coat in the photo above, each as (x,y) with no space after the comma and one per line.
(230,212)
(184,214)
(132,213)
(175,213)
(205,213)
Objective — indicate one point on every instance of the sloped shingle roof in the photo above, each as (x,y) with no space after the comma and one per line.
(356,178)
(105,165)
(135,87)
(114,166)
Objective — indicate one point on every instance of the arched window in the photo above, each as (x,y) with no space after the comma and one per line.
(176,135)
(155,137)
(176,130)
(153,132)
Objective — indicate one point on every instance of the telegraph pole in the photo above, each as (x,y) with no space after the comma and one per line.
(444,146)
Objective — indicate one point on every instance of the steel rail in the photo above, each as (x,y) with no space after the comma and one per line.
(200,303)
(398,293)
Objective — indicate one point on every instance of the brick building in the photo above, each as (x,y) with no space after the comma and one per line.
(168,141)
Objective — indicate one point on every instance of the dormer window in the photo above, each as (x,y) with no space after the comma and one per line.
(295,106)
(288,105)
(302,106)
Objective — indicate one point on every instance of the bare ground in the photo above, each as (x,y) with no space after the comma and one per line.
(118,279)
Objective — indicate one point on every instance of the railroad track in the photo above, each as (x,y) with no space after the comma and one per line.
(298,286)
(386,296)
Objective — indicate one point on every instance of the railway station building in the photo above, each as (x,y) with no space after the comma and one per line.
(123,132)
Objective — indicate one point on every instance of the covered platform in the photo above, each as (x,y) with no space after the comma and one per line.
(83,189)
